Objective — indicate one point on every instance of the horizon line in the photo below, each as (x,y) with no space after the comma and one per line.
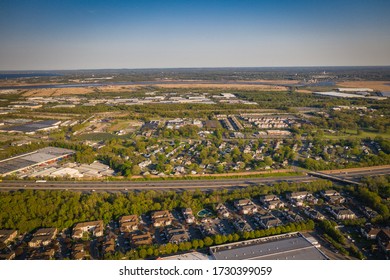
(201,68)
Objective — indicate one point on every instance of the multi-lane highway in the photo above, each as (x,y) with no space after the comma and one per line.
(179,185)
(150,185)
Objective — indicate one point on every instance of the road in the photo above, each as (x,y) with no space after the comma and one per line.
(150,185)
(181,185)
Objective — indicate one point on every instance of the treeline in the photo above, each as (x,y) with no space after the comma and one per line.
(374,201)
(28,210)
(337,239)
(154,251)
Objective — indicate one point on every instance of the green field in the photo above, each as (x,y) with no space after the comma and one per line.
(353,133)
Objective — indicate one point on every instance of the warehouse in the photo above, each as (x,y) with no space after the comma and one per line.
(38,157)
(293,246)
(33,127)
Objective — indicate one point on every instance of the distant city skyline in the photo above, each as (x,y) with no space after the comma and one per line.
(61,35)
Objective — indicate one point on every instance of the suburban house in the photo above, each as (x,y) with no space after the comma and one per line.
(177,234)
(341,212)
(298,198)
(162,218)
(245,206)
(78,252)
(222,211)
(128,223)
(139,239)
(332,196)
(8,256)
(313,214)
(109,246)
(42,237)
(188,215)
(370,232)
(292,216)
(241,225)
(383,238)
(268,221)
(368,212)
(7,235)
(95,227)
(271,201)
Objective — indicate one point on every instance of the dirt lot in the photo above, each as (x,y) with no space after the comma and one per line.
(376,85)
(77,90)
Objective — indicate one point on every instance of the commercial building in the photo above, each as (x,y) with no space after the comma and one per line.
(292,246)
(28,160)
(32,127)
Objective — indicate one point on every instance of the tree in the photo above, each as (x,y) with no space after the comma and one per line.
(268,161)
(142,253)
(136,170)
(195,244)
(208,241)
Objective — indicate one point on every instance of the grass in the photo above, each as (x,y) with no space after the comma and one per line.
(97,136)
(353,133)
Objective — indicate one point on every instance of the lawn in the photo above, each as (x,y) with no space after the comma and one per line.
(353,133)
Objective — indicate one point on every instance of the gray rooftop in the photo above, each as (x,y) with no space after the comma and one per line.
(30,159)
(284,248)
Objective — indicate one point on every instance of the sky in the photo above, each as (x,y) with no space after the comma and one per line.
(96,34)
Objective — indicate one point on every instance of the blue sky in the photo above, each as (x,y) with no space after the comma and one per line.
(44,34)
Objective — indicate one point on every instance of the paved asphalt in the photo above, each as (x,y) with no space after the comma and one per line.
(179,185)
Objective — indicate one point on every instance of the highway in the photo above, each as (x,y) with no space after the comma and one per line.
(150,185)
(181,185)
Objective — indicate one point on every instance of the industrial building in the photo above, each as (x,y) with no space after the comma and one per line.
(292,246)
(32,127)
(28,160)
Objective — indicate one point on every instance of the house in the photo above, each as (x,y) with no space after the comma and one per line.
(313,214)
(241,225)
(162,218)
(245,206)
(266,198)
(271,201)
(177,234)
(292,216)
(46,254)
(222,211)
(95,227)
(298,198)
(42,237)
(109,246)
(370,232)
(332,196)
(327,193)
(268,221)
(8,256)
(383,238)
(141,238)
(341,212)
(368,212)
(188,215)
(7,235)
(78,252)
(128,223)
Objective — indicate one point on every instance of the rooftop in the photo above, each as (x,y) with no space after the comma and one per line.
(280,247)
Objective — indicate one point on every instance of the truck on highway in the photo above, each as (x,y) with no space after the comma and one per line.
(40,181)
